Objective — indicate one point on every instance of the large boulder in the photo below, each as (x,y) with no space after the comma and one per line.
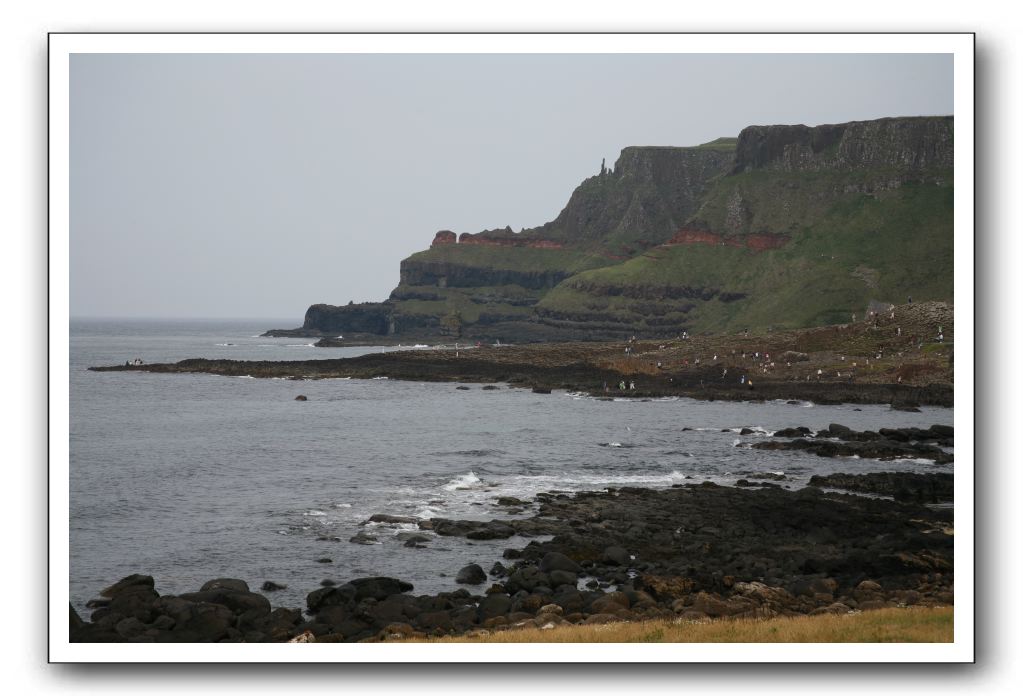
(558,561)
(560,578)
(237,602)
(493,605)
(378,587)
(130,581)
(471,574)
(330,596)
(616,555)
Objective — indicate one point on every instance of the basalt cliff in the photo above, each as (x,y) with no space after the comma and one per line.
(784,226)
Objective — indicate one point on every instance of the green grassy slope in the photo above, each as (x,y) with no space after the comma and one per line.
(845,251)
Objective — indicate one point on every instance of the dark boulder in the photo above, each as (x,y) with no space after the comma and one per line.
(237,602)
(130,581)
(225,584)
(330,596)
(392,519)
(496,604)
(363,538)
(616,555)
(471,575)
(378,587)
(558,561)
(271,586)
(559,578)
(493,530)
(208,623)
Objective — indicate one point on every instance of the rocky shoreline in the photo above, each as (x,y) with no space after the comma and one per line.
(692,552)
(882,359)
(589,369)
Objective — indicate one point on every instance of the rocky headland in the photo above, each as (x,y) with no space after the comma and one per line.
(785,226)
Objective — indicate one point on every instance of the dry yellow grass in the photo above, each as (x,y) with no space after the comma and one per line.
(909,625)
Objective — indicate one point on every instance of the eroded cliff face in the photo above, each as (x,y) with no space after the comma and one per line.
(640,203)
(784,225)
(441,274)
(901,144)
(367,317)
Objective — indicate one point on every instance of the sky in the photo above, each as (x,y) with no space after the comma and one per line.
(252,186)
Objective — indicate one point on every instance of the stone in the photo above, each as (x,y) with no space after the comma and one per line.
(225,584)
(494,605)
(237,602)
(471,574)
(392,519)
(363,538)
(124,583)
(616,555)
(558,561)
(562,577)
(378,587)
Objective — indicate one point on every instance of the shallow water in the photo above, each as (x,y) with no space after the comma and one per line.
(192,477)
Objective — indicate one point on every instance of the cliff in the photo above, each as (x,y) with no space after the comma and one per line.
(783,226)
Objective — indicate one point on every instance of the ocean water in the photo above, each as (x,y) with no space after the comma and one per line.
(193,477)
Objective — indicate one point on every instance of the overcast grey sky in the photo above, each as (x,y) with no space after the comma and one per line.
(255,185)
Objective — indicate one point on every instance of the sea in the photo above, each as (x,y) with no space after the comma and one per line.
(191,477)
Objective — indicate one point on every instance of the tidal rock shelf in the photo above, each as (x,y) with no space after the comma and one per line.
(886,444)
(694,552)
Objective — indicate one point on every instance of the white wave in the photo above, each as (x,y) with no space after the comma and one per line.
(314,513)
(586,480)
(464,482)
(243,376)
(226,344)
(614,444)
(736,442)
(380,378)
(427,511)
(420,345)
(342,505)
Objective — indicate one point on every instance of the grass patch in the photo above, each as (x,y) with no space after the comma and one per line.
(909,625)
(723,144)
